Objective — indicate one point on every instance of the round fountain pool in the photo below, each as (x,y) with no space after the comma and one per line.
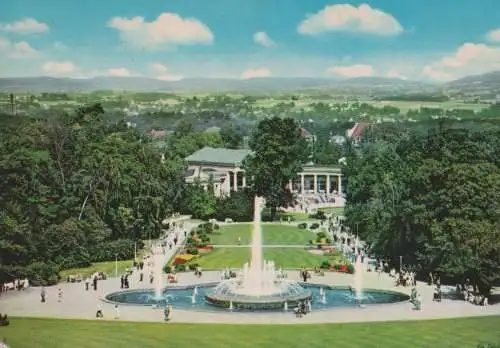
(321,296)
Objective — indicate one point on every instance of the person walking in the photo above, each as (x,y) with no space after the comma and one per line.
(42,295)
(99,314)
(59,295)
(117,311)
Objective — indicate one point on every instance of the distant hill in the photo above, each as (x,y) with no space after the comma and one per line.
(485,85)
(51,84)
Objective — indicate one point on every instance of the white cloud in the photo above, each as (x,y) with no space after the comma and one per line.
(167,31)
(170,77)
(26,26)
(468,59)
(62,68)
(17,50)
(395,74)
(261,38)
(357,70)
(346,17)
(162,73)
(255,73)
(119,72)
(494,35)
(158,68)
(59,46)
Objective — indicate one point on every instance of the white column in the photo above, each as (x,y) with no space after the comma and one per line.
(235,183)
(227,183)
(290,186)
(328,184)
(340,184)
(315,183)
(302,183)
(244,183)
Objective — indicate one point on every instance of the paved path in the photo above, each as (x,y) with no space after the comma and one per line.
(268,246)
(78,303)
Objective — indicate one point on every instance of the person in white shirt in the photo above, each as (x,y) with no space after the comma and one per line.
(117,312)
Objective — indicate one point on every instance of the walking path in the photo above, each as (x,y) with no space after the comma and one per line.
(299,246)
(78,303)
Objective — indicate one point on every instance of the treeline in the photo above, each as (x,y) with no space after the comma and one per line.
(437,98)
(431,197)
(75,188)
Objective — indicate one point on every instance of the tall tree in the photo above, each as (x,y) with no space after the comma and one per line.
(279,151)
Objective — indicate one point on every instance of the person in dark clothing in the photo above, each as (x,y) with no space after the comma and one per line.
(94,283)
(122,281)
(42,294)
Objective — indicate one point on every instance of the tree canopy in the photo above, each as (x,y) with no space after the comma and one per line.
(75,188)
(279,151)
(432,198)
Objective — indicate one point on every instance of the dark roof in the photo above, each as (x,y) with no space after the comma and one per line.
(218,156)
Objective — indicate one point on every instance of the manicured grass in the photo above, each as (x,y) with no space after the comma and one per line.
(296,258)
(221,258)
(228,235)
(285,234)
(106,267)
(339,211)
(296,216)
(53,333)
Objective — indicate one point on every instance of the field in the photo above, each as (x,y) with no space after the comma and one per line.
(106,267)
(53,333)
(285,235)
(297,258)
(221,258)
(228,235)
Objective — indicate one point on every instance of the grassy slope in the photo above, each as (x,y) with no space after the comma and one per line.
(53,333)
(296,258)
(285,235)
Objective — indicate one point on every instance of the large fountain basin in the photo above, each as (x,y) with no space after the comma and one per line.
(182,298)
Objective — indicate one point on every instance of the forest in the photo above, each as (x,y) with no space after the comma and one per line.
(430,197)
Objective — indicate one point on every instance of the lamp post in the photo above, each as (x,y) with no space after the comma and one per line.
(116,265)
(400,263)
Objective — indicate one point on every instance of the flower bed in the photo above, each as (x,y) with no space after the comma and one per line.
(183,258)
(341,268)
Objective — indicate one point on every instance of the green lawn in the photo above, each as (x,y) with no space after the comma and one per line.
(53,333)
(335,210)
(106,267)
(228,235)
(221,258)
(296,216)
(285,234)
(296,258)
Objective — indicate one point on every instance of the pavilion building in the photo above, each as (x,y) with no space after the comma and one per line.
(222,168)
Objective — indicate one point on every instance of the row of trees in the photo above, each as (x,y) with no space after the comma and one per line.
(75,188)
(431,197)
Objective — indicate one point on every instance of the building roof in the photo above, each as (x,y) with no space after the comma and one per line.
(218,156)
(305,134)
(357,130)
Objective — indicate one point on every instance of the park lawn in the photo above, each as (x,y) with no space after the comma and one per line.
(295,216)
(228,234)
(285,234)
(57,333)
(336,211)
(107,267)
(221,258)
(297,258)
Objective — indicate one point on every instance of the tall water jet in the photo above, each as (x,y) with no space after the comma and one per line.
(358,278)
(258,286)
(158,271)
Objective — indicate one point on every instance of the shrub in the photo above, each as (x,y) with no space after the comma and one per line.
(204,238)
(123,249)
(314,226)
(328,241)
(321,235)
(216,226)
(320,215)
(193,266)
(41,273)
(192,251)
(287,217)
(311,241)
(302,225)
(167,268)
(180,267)
(192,233)
(325,265)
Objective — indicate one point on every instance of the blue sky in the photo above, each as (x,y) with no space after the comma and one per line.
(173,39)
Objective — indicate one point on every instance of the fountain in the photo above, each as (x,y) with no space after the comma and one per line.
(158,272)
(358,278)
(258,286)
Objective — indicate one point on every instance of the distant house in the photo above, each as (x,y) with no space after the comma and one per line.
(305,134)
(337,139)
(356,132)
(157,133)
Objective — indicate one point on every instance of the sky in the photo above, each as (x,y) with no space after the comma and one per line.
(430,40)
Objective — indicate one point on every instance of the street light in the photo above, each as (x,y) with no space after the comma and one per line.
(400,263)
(116,265)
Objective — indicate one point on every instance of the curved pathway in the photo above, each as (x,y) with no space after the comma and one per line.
(78,303)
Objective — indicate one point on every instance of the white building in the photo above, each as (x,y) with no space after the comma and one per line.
(223,169)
